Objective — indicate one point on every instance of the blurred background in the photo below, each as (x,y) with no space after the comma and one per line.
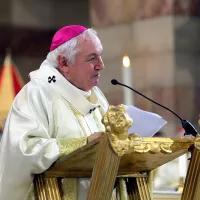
(160,37)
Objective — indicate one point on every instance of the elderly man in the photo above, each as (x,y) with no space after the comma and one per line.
(58,111)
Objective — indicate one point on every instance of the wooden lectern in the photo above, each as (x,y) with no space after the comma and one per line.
(119,160)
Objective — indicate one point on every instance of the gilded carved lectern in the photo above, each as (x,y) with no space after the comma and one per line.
(121,161)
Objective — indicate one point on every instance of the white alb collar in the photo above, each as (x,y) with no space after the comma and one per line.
(59,83)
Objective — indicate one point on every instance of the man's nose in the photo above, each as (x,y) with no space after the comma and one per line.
(100,64)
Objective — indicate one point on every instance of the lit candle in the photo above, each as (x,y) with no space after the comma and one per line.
(127,80)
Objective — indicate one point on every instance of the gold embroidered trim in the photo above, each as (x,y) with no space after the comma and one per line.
(81,121)
(67,145)
(122,189)
(97,118)
(30,193)
(69,188)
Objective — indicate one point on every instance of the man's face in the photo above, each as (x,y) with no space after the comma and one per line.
(85,72)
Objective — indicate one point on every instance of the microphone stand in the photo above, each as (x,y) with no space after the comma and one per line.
(187,126)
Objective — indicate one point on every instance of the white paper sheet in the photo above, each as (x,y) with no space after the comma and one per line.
(145,124)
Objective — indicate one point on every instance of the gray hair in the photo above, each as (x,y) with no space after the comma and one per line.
(70,48)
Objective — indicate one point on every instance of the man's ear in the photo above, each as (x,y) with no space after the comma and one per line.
(62,63)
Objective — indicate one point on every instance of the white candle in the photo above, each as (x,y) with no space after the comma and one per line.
(183,165)
(127,80)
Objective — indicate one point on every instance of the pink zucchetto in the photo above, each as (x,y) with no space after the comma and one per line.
(65,34)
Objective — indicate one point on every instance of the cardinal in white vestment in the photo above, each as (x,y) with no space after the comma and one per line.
(58,111)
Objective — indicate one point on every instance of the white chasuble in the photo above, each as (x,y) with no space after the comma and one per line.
(48,118)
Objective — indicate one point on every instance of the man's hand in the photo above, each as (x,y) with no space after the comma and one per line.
(94,136)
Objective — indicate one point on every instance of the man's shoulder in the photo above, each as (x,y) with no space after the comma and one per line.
(34,94)
(35,88)
(37,85)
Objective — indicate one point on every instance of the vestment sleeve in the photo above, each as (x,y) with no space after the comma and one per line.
(67,145)
(38,143)
(29,145)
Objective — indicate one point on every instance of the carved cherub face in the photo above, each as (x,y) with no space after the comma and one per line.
(117,120)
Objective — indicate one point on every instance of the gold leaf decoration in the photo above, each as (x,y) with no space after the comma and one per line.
(117,122)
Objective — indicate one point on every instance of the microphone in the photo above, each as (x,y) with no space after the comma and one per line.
(188,127)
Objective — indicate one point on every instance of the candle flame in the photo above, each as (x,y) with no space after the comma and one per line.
(126,61)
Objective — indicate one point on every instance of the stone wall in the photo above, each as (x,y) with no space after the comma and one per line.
(106,13)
